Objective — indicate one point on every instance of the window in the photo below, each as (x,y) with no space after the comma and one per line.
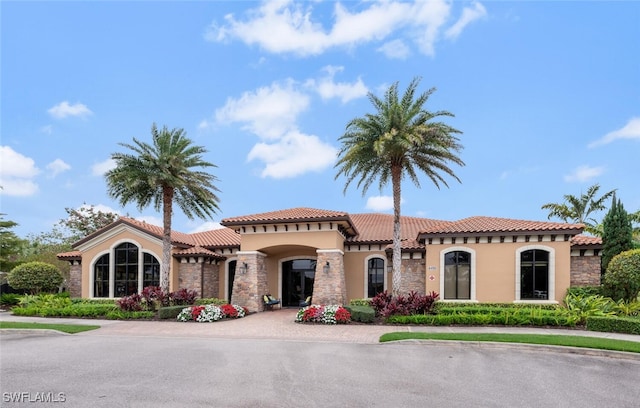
(126,275)
(101,277)
(151,272)
(230,278)
(534,275)
(457,275)
(375,276)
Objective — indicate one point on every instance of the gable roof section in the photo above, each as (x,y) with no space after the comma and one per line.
(294,215)
(586,241)
(217,238)
(378,228)
(493,225)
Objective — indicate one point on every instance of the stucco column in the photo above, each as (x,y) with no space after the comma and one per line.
(329,286)
(250,282)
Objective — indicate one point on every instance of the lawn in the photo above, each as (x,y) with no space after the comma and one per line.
(546,339)
(66,328)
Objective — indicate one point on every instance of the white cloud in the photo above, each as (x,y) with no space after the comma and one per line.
(629,131)
(206,226)
(395,49)
(269,111)
(468,16)
(292,155)
(285,26)
(57,166)
(584,173)
(99,169)
(150,219)
(381,203)
(345,91)
(17,173)
(64,109)
(48,129)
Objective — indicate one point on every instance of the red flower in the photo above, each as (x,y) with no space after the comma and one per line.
(195,311)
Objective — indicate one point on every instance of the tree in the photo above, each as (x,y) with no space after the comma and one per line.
(35,277)
(86,220)
(10,245)
(617,233)
(160,174)
(578,209)
(399,140)
(622,279)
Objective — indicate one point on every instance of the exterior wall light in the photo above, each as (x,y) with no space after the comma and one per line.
(326,267)
(243,268)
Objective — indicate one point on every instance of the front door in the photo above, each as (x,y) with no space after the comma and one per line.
(297,281)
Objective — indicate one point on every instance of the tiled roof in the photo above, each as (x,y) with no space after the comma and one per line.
(221,237)
(407,245)
(375,227)
(176,237)
(483,225)
(198,251)
(586,240)
(292,214)
(70,255)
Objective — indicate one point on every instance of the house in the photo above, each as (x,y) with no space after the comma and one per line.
(335,256)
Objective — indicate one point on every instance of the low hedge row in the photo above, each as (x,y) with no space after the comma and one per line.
(614,324)
(74,310)
(170,312)
(504,318)
(363,314)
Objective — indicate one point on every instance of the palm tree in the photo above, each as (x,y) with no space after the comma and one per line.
(399,140)
(160,174)
(578,209)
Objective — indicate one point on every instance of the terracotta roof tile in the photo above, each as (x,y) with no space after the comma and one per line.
(291,214)
(221,237)
(376,227)
(176,237)
(70,255)
(474,225)
(197,251)
(586,240)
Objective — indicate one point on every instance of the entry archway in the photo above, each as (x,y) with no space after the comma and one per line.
(298,276)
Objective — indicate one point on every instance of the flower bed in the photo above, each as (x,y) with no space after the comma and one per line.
(329,314)
(211,313)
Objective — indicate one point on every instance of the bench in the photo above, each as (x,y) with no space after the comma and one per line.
(270,302)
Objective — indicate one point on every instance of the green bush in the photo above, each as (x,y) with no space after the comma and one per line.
(504,317)
(35,277)
(363,314)
(93,301)
(622,279)
(584,306)
(209,301)
(50,305)
(10,299)
(170,312)
(585,291)
(614,324)
(360,302)
(118,314)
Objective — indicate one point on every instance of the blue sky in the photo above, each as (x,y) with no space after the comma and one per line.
(547,95)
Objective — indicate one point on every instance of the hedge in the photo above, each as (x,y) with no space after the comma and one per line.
(363,314)
(170,312)
(504,318)
(614,324)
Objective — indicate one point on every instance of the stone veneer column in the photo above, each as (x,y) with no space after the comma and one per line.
(329,288)
(210,280)
(74,286)
(413,275)
(585,270)
(190,274)
(250,286)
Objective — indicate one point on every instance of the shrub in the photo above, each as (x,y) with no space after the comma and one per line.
(153,297)
(10,299)
(49,305)
(622,279)
(584,306)
(183,297)
(35,277)
(211,313)
(124,315)
(614,324)
(506,317)
(329,314)
(211,301)
(414,303)
(169,312)
(363,314)
(585,290)
(131,303)
(360,302)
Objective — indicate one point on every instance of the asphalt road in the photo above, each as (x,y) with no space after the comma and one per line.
(132,371)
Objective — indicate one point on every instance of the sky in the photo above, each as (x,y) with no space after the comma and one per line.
(546,95)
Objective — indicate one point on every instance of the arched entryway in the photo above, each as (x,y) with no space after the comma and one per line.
(298,276)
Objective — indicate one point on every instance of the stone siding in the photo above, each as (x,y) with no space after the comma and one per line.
(413,276)
(190,275)
(249,287)
(329,288)
(585,270)
(210,280)
(74,285)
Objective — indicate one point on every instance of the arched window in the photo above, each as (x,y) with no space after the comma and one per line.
(534,275)
(151,271)
(457,275)
(126,269)
(375,276)
(101,277)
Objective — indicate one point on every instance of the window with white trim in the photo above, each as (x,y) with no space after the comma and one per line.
(457,275)
(375,276)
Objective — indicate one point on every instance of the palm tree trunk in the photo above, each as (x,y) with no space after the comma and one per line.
(396,176)
(167,208)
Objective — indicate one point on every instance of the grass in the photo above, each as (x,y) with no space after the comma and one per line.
(66,328)
(546,339)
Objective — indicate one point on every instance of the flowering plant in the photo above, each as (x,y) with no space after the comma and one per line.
(329,314)
(211,313)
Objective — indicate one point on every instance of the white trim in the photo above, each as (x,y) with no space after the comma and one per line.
(250,253)
(552,274)
(366,273)
(472,272)
(100,239)
(325,251)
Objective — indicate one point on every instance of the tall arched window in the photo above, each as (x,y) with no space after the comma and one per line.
(126,269)
(457,275)
(375,276)
(534,275)
(101,277)
(151,271)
